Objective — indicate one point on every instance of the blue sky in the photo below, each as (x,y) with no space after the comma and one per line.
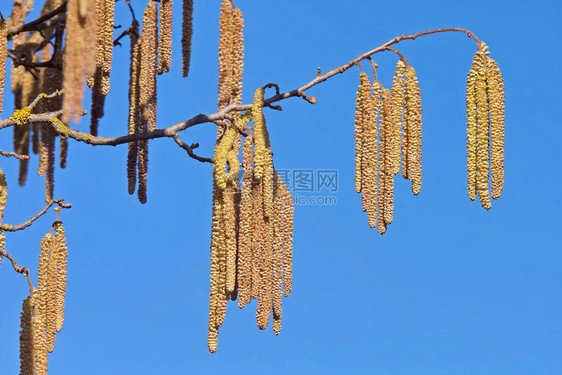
(450,289)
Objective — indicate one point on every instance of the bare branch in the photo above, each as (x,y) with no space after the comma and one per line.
(189,150)
(28,222)
(19,269)
(13,154)
(40,23)
(171,131)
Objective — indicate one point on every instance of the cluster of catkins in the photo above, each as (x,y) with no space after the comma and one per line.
(43,311)
(252,227)
(31,47)
(150,55)
(485,128)
(388,130)
(86,59)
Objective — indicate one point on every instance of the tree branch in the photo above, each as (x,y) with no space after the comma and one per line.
(40,23)
(19,269)
(189,150)
(28,222)
(171,131)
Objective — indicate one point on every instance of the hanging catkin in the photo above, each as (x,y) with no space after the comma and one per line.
(382,168)
(398,86)
(389,154)
(187,33)
(27,350)
(149,47)
(362,92)
(165,36)
(413,116)
(482,128)
(471,131)
(61,256)
(73,64)
(245,235)
(368,171)
(3,57)
(371,154)
(496,99)
(134,113)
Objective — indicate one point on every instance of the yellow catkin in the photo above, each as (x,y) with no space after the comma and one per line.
(27,352)
(482,128)
(257,239)
(165,36)
(471,131)
(134,114)
(50,295)
(149,46)
(3,200)
(61,249)
(398,87)
(39,342)
(91,38)
(496,97)
(3,193)
(382,167)
(3,57)
(265,262)
(187,33)
(277,265)
(73,64)
(105,28)
(288,215)
(246,229)
(237,55)
(414,118)
(225,53)
(367,170)
(362,92)
(229,214)
(389,153)
(142,167)
(216,242)
(371,155)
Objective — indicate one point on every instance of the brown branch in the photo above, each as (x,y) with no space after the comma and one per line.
(40,23)
(28,222)
(19,269)
(13,154)
(172,130)
(189,150)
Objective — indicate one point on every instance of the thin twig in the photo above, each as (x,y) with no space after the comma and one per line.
(13,154)
(189,149)
(28,222)
(19,269)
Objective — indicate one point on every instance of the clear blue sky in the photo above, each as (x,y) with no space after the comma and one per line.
(450,289)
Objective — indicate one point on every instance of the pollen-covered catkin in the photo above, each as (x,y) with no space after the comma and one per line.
(165,36)
(414,119)
(149,46)
(362,92)
(73,64)
(382,168)
(398,87)
(288,219)
(471,131)
(27,352)
(389,153)
(61,253)
(187,33)
(482,127)
(368,164)
(216,242)
(496,99)
(3,57)
(134,111)
(245,233)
